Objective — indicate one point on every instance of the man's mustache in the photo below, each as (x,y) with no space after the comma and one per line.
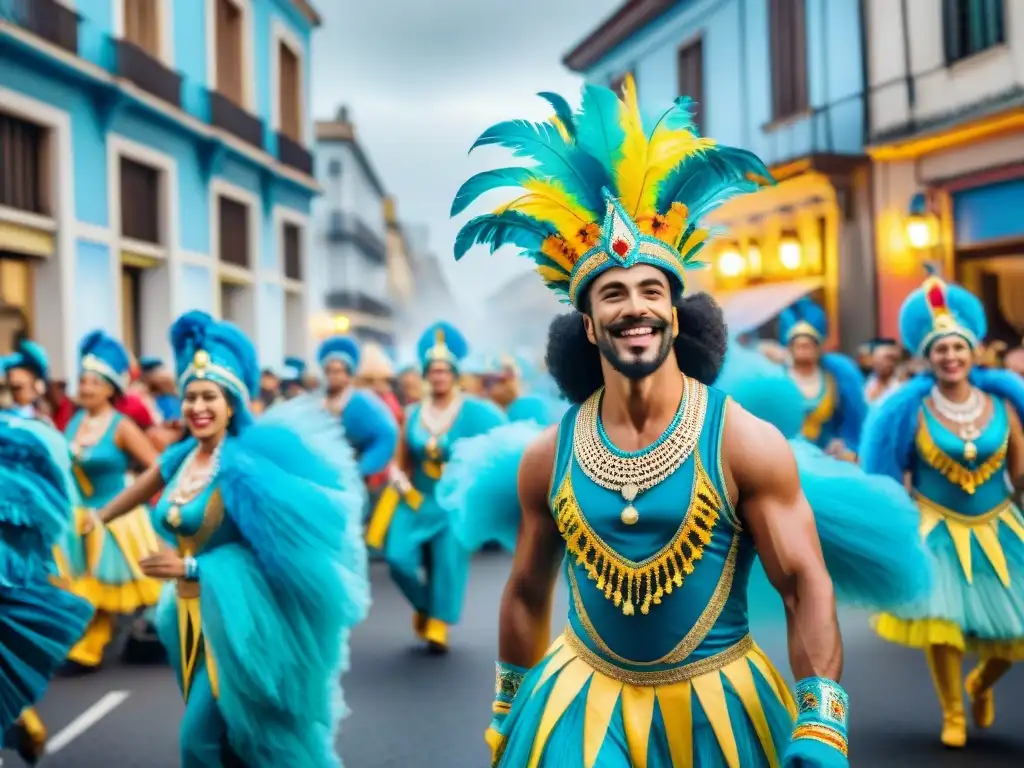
(656,323)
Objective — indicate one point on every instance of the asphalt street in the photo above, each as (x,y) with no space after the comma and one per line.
(411,709)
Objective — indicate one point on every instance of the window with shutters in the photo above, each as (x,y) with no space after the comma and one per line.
(234,246)
(230,49)
(788,40)
(131,308)
(290,91)
(140,202)
(972,26)
(690,65)
(142,25)
(24,165)
(292,252)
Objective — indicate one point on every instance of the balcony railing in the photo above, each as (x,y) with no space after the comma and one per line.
(225,114)
(48,19)
(357,301)
(293,154)
(147,72)
(347,228)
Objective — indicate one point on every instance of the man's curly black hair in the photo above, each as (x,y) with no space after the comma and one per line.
(575,363)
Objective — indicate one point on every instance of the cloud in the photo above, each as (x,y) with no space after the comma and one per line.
(423,80)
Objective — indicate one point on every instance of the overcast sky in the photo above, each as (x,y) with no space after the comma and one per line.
(423,80)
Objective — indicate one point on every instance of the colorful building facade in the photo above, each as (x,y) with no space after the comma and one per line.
(784,79)
(947,144)
(164,165)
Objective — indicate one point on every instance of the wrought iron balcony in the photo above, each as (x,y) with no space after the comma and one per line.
(50,20)
(147,72)
(348,228)
(357,301)
(224,113)
(293,154)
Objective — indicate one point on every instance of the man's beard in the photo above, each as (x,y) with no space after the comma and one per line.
(635,369)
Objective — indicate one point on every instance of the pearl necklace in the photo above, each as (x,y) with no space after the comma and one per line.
(438,421)
(89,433)
(965,415)
(192,480)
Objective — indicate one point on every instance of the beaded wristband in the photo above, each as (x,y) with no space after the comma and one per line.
(823,708)
(191,569)
(507,679)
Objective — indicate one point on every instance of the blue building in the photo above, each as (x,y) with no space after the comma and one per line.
(154,159)
(785,79)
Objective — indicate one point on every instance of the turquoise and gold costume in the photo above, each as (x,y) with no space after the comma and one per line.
(369,426)
(408,522)
(39,622)
(102,566)
(656,667)
(837,411)
(967,516)
(275,569)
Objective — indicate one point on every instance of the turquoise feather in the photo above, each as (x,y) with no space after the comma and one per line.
(498,229)
(556,158)
(562,111)
(708,179)
(486,181)
(598,132)
(678,117)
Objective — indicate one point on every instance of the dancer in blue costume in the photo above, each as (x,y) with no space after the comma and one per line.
(268,562)
(656,666)
(407,522)
(956,432)
(103,565)
(369,426)
(504,384)
(831,384)
(27,371)
(39,622)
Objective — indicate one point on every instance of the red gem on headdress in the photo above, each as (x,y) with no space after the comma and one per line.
(936,297)
(621,247)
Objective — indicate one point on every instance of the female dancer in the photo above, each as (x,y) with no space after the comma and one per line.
(956,431)
(39,622)
(831,384)
(407,521)
(268,563)
(103,566)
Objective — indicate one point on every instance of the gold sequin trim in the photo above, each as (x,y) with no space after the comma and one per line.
(661,677)
(816,420)
(612,471)
(580,274)
(631,584)
(824,734)
(698,632)
(951,469)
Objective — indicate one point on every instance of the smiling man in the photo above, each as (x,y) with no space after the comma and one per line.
(655,491)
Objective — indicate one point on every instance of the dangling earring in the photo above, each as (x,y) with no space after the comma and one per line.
(675,323)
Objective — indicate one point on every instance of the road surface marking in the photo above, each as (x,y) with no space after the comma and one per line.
(85,721)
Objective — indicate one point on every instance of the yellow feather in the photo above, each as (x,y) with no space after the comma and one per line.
(696,237)
(549,202)
(551,274)
(632,163)
(555,121)
(557,249)
(665,152)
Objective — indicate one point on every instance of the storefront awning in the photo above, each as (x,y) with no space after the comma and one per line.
(749,308)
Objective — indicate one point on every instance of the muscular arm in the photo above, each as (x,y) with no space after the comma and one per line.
(525,619)
(761,464)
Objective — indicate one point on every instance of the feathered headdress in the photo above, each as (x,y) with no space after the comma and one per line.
(938,309)
(32,358)
(804,318)
(608,189)
(219,351)
(442,343)
(105,356)
(344,349)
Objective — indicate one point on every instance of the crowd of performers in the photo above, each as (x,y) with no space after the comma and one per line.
(239,521)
